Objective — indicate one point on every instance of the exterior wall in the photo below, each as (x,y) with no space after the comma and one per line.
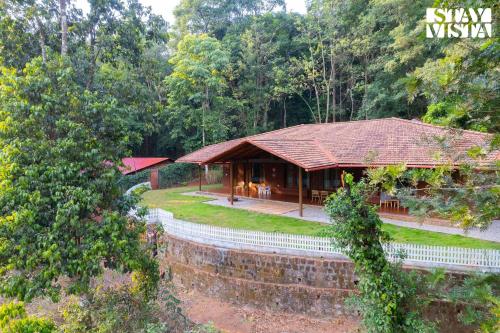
(314,286)
(273,174)
(154,179)
(274,282)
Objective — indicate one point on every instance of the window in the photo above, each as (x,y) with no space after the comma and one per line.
(292,177)
(290,171)
(331,179)
(257,173)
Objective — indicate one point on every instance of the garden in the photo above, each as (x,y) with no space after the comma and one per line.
(194,209)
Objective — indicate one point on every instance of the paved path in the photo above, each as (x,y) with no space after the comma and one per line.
(317,214)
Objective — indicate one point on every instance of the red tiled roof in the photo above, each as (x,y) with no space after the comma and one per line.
(134,164)
(355,143)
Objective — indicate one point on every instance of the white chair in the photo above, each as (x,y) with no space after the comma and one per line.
(264,190)
(267,190)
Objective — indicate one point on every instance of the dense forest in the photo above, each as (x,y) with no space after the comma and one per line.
(229,68)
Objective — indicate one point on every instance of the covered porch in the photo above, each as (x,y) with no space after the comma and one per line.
(250,171)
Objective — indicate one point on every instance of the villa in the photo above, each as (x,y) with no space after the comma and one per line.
(304,163)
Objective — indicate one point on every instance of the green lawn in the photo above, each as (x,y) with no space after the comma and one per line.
(192,208)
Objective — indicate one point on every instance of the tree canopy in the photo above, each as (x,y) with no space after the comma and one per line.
(342,60)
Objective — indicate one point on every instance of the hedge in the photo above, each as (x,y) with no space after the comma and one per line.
(170,175)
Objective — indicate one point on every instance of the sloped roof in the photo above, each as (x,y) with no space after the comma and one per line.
(355,143)
(134,164)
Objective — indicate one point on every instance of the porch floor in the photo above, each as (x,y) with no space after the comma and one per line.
(278,198)
(316,213)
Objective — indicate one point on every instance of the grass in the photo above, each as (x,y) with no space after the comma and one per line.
(193,208)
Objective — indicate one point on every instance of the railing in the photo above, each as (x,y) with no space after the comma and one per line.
(414,254)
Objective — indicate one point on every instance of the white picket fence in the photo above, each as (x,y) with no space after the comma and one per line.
(145,184)
(414,254)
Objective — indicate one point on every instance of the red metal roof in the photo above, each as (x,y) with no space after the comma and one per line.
(355,143)
(134,164)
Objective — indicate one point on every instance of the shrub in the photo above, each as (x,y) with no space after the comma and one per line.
(124,309)
(127,181)
(13,319)
(170,175)
(214,175)
(177,174)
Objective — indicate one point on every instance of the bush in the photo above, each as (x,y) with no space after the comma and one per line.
(177,174)
(13,319)
(214,175)
(127,181)
(170,175)
(125,309)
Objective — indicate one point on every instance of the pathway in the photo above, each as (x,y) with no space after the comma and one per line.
(317,214)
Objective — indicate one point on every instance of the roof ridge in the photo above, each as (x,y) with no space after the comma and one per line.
(247,137)
(328,153)
(273,131)
(437,126)
(281,139)
(351,121)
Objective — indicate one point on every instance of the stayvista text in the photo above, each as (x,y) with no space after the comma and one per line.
(459,23)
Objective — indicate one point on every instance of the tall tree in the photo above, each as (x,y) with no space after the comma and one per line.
(64,27)
(196,90)
(61,211)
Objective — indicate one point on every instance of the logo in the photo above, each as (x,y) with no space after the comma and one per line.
(458,23)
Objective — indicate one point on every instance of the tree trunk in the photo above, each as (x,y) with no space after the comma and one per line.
(204,109)
(64,27)
(284,112)
(334,94)
(41,38)
(93,58)
(340,94)
(366,87)
(350,93)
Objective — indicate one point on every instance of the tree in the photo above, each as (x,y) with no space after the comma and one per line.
(61,211)
(64,27)
(464,191)
(196,90)
(262,57)
(459,81)
(390,300)
(216,16)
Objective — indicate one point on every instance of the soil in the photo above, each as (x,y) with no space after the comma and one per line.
(230,318)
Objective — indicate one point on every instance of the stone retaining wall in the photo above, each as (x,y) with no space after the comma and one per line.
(313,286)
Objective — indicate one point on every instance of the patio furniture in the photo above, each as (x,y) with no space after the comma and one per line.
(240,189)
(323,195)
(388,201)
(264,190)
(315,196)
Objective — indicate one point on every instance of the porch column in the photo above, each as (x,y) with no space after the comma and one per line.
(244,178)
(231,181)
(301,207)
(199,177)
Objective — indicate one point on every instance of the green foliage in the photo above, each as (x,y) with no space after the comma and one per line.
(196,88)
(170,175)
(342,60)
(13,319)
(127,310)
(459,193)
(127,181)
(194,208)
(61,211)
(177,174)
(389,299)
(480,295)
